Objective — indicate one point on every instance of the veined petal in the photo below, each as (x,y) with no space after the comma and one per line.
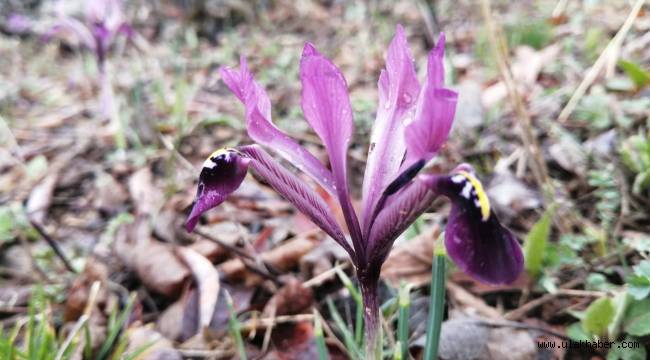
(262,130)
(398,91)
(327,109)
(434,114)
(296,192)
(475,239)
(222,173)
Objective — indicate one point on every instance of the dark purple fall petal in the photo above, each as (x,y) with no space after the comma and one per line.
(398,92)
(327,109)
(474,238)
(434,113)
(222,173)
(484,250)
(262,130)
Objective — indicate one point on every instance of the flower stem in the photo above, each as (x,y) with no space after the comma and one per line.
(370,297)
(436,306)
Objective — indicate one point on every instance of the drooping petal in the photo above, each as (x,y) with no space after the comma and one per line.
(327,109)
(398,91)
(475,239)
(262,130)
(435,110)
(222,173)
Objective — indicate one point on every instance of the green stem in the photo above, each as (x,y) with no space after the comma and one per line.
(436,307)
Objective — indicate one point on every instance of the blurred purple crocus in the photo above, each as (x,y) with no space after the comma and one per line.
(104,22)
(413,122)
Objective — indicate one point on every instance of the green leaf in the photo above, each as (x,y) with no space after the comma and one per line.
(639,76)
(637,319)
(628,353)
(576,333)
(535,244)
(639,283)
(598,316)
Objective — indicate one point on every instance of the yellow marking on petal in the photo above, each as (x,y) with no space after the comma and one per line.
(219,152)
(483,200)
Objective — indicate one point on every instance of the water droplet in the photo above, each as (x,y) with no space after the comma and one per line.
(387,106)
(407,98)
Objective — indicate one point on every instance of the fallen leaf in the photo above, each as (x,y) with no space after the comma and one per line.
(157,346)
(146,197)
(411,260)
(292,298)
(283,257)
(40,198)
(208,282)
(159,269)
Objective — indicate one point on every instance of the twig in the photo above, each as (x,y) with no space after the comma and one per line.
(260,268)
(325,275)
(265,322)
(595,69)
(54,245)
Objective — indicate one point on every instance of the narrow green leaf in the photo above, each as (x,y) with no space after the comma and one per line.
(235,328)
(320,338)
(403,320)
(535,244)
(639,76)
(348,338)
(436,306)
(598,316)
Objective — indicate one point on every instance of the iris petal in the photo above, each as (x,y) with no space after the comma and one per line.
(398,91)
(434,113)
(222,173)
(475,239)
(326,106)
(260,127)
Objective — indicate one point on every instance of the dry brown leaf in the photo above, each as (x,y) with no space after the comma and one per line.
(40,198)
(158,347)
(208,281)
(291,299)
(411,261)
(146,197)
(283,257)
(159,269)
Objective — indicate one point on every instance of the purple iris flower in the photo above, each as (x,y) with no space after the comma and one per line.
(413,122)
(104,21)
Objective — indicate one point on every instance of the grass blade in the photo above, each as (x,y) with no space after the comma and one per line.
(320,338)
(403,321)
(348,338)
(436,306)
(235,328)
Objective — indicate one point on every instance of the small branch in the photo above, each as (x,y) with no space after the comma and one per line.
(54,245)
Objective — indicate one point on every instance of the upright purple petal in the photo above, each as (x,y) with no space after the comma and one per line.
(398,92)
(434,114)
(262,130)
(474,238)
(222,173)
(327,109)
